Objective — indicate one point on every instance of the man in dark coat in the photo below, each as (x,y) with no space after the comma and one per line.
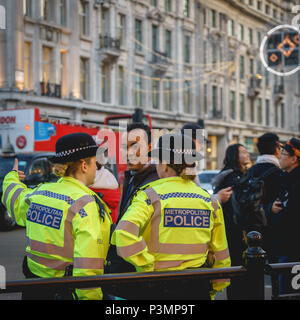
(136,143)
(283,213)
(269,148)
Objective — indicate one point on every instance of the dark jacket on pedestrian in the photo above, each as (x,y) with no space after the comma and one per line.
(233,232)
(286,223)
(132,182)
(138,179)
(272,184)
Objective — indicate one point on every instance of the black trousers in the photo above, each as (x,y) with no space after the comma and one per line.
(43,293)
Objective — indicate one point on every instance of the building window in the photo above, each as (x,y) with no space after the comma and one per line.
(205,102)
(138,35)
(27,8)
(241,32)
(214,99)
(258,38)
(232,104)
(63,12)
(168,40)
(267,78)
(122,28)
(187,48)
(259,5)
(214,53)
(168,95)
(213,19)
(121,86)
(168,5)
(267,112)
(47,10)
(267,9)
(221,101)
(138,88)
(47,69)
(252,111)
(231,28)
(186,8)
(154,3)
(155,43)
(84,78)
(27,65)
(84,17)
(204,52)
(105,29)
(187,96)
(259,111)
(204,17)
(155,94)
(276,116)
(282,116)
(242,67)
(251,66)
(250,36)
(105,83)
(63,74)
(242,107)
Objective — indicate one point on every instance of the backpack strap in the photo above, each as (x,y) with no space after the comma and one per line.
(267,173)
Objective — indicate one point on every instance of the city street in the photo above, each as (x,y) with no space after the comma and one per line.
(12,248)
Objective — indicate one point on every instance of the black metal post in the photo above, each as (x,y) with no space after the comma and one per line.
(254,259)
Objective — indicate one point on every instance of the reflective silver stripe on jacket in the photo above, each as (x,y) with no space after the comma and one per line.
(130,250)
(89,263)
(49,263)
(13,198)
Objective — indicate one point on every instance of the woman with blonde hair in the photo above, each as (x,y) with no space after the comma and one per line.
(67,224)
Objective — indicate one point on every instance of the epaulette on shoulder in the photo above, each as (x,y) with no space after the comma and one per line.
(140,189)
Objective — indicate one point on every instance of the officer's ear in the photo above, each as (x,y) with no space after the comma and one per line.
(84,164)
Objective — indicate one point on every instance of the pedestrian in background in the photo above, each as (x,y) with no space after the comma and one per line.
(236,162)
(269,148)
(172,224)
(67,224)
(196,133)
(283,213)
(107,187)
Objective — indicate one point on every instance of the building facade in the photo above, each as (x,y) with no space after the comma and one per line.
(178,60)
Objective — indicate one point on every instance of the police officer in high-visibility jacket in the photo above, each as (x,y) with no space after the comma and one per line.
(67,225)
(172,224)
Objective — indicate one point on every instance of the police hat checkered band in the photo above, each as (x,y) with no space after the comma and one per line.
(71,151)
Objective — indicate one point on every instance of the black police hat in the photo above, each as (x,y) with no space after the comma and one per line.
(176,148)
(73,147)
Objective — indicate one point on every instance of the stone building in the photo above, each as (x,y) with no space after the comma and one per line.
(179,60)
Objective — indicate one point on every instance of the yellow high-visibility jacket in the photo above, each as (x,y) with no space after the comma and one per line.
(63,227)
(171,224)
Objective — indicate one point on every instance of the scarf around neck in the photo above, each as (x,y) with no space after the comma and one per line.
(268,158)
